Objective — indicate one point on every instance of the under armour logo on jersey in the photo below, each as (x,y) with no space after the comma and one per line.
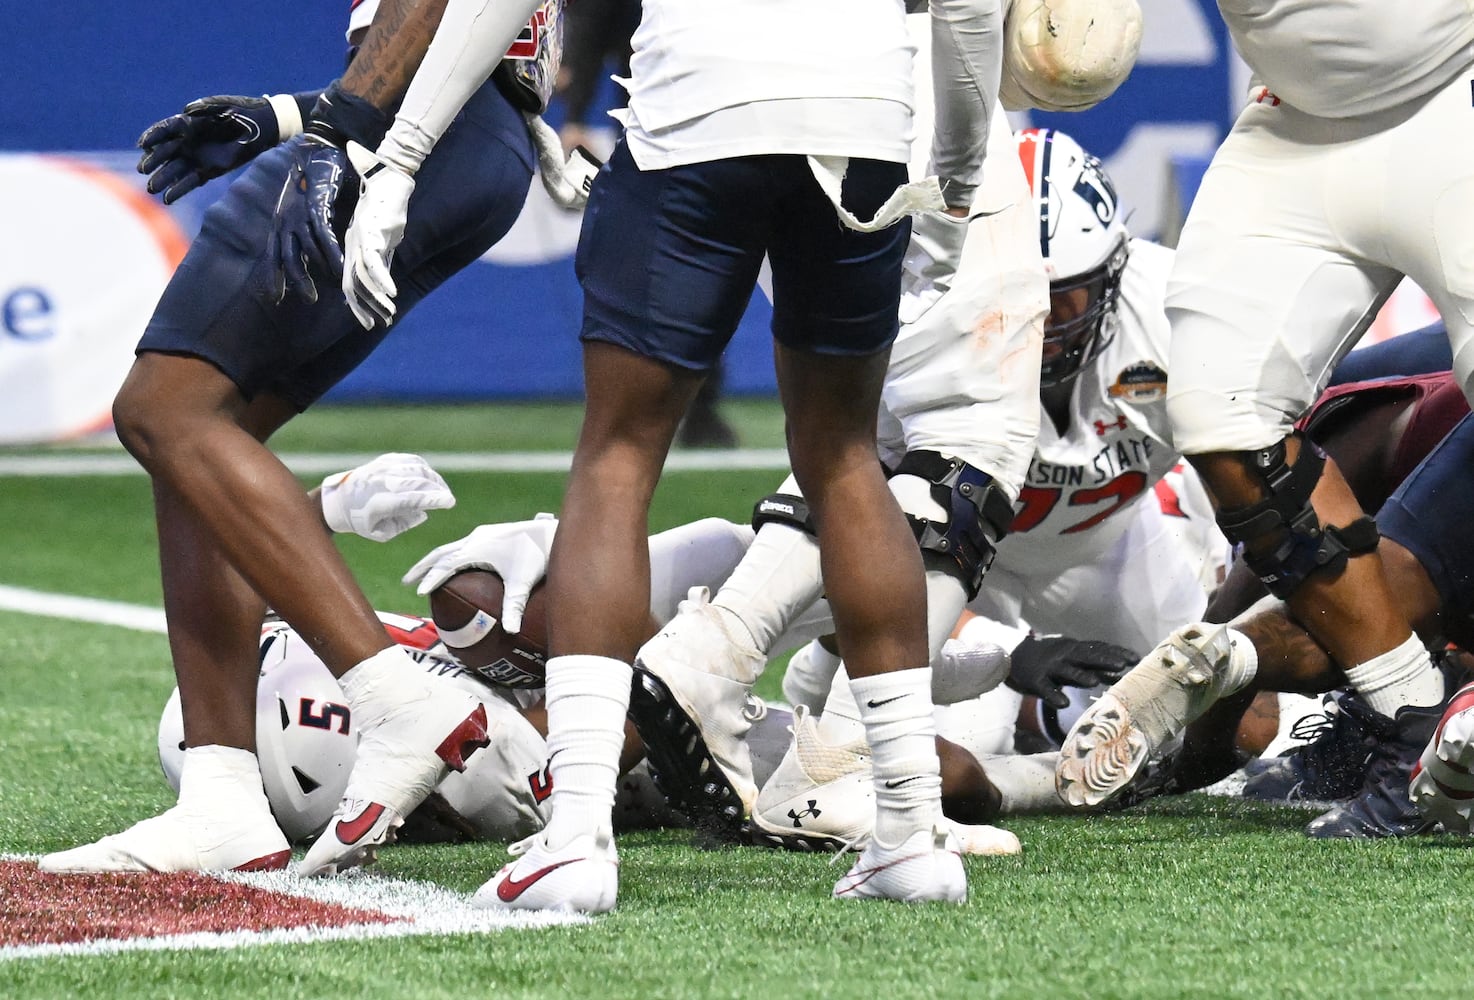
(799,817)
(1101,426)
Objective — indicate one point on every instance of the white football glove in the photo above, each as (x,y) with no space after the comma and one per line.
(385,497)
(517,552)
(373,236)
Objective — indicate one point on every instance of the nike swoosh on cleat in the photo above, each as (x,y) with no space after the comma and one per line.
(511,888)
(884,701)
(353,830)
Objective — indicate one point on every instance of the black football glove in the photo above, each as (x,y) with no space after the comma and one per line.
(304,235)
(1044,665)
(211,137)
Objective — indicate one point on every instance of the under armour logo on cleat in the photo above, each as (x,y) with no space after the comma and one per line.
(812,810)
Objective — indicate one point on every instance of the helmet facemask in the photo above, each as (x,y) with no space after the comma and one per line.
(1082,318)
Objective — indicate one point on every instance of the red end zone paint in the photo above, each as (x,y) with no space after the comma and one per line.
(38,908)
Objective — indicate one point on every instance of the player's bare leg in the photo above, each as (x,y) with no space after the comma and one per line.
(187,424)
(1352,611)
(222,820)
(875,582)
(598,615)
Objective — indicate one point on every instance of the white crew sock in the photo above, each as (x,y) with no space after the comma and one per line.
(1026,781)
(218,781)
(840,723)
(587,698)
(778,578)
(1401,676)
(897,711)
(810,677)
(384,672)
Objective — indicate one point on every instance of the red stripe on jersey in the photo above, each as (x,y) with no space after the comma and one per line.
(410,630)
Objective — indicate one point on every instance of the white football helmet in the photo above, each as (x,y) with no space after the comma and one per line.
(305,740)
(1085,246)
(1067,55)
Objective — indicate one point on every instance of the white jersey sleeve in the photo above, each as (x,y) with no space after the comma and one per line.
(1341,58)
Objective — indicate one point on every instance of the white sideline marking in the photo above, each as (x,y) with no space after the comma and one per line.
(83,609)
(420,908)
(322,463)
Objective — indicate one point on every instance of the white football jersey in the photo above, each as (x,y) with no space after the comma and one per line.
(1339,58)
(1117,443)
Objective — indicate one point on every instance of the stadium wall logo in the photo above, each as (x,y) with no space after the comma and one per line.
(86,257)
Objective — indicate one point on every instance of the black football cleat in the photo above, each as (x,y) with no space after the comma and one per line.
(1333,765)
(1383,808)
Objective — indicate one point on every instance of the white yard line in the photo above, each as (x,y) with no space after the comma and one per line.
(83,609)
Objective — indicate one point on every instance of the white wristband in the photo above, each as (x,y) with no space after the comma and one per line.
(288,115)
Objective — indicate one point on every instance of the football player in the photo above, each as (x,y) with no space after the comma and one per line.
(1321,199)
(1402,443)
(242,341)
(1112,537)
(721,163)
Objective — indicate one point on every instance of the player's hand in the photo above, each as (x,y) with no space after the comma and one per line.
(211,137)
(373,236)
(517,552)
(1043,665)
(302,242)
(385,497)
(341,130)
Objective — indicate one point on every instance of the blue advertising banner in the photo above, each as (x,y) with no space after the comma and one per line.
(92,77)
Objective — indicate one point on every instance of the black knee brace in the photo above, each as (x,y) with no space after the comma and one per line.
(979,513)
(1304,546)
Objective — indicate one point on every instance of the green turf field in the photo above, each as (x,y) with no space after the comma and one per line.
(1197,897)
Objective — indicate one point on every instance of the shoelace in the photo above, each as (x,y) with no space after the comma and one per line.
(1309,728)
(754,709)
(522,846)
(858,844)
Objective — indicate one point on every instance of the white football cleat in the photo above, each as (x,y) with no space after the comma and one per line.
(182,840)
(689,702)
(580,877)
(820,797)
(1442,782)
(1174,684)
(925,867)
(413,730)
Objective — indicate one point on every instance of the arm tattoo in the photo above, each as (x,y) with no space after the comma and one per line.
(392,50)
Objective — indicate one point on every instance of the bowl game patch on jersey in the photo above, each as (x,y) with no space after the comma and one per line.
(1143,382)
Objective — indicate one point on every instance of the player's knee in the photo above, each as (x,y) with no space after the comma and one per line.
(1282,537)
(134,420)
(957,512)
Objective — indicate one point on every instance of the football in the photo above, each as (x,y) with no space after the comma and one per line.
(467,608)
